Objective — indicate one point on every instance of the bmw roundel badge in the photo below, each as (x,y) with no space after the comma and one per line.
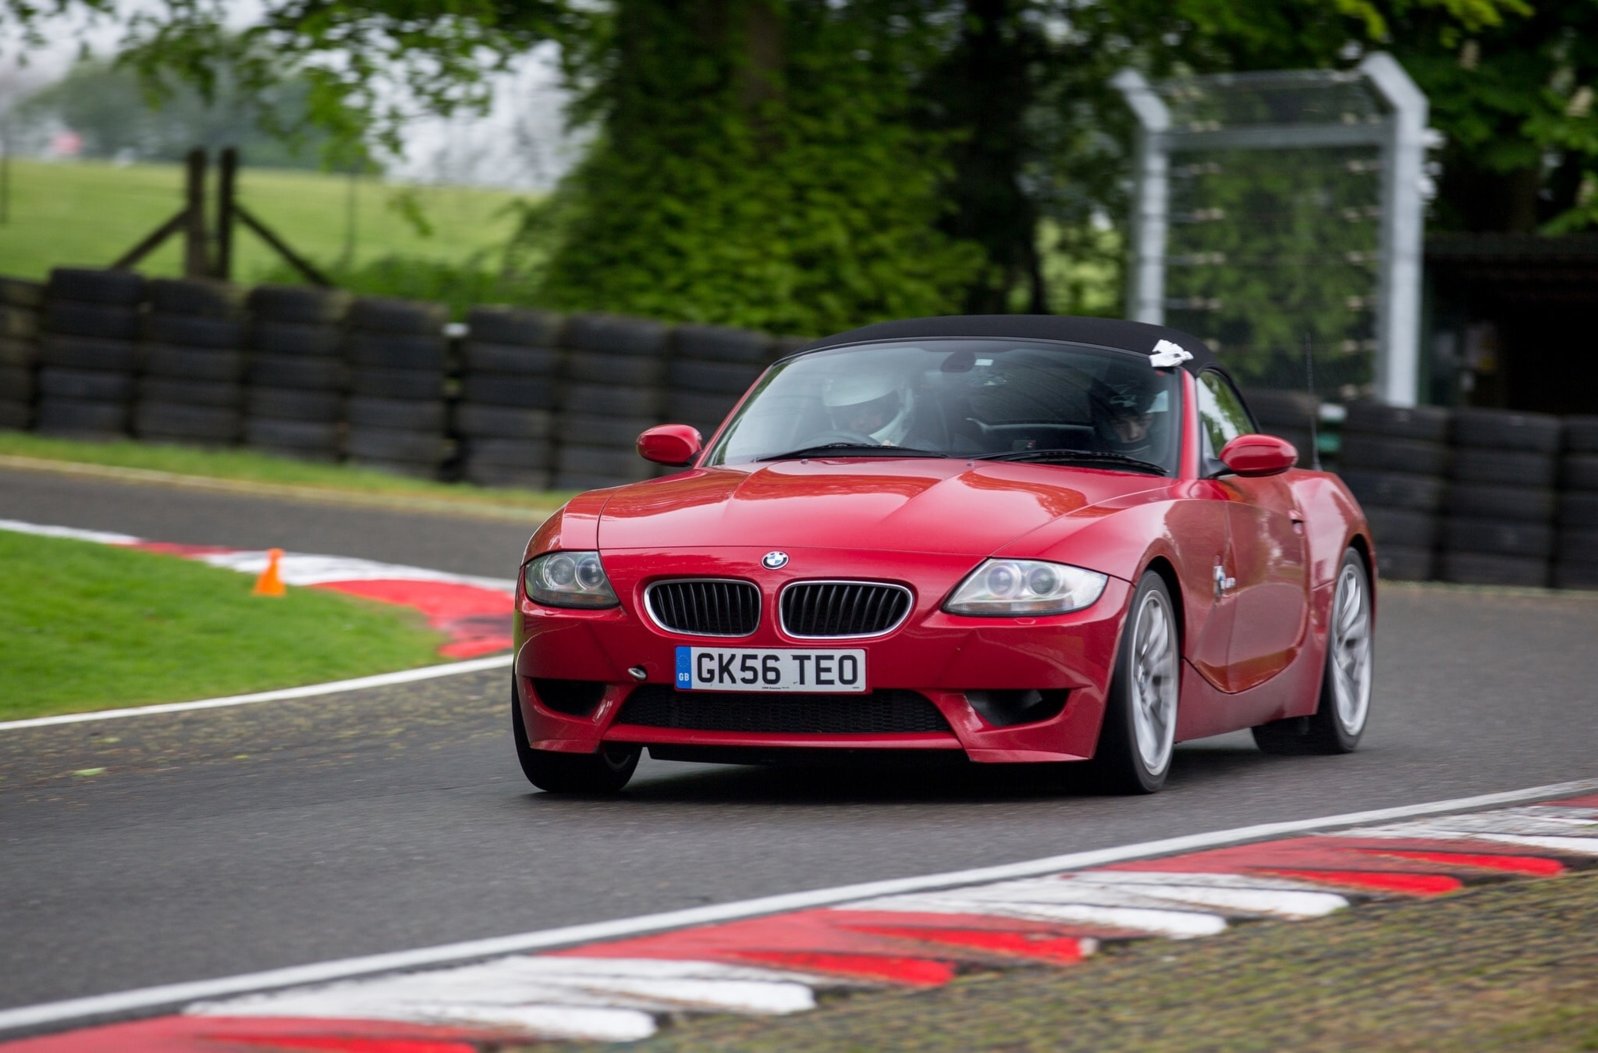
(774,560)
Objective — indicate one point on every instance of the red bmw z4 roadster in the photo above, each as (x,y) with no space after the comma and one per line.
(1016,538)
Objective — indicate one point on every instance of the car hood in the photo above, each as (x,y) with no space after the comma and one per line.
(943,505)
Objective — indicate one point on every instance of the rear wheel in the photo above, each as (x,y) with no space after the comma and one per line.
(604,772)
(1139,732)
(1344,707)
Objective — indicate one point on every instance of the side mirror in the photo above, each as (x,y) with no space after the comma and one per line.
(673,445)
(1255,455)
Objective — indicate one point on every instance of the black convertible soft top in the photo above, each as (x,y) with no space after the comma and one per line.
(1103,332)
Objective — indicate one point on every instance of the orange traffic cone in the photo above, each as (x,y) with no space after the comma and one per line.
(270,583)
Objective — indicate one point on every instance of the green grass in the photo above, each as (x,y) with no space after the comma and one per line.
(86,214)
(263,469)
(87,626)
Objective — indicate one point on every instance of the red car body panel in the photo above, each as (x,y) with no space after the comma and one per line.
(1252,651)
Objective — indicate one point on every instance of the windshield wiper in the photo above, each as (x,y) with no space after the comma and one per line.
(850,449)
(1091,457)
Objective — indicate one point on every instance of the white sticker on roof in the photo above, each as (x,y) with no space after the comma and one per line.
(1167,354)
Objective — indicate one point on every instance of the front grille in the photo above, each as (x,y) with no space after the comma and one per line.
(704,606)
(659,706)
(827,609)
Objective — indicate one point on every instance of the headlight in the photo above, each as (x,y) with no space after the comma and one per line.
(569,579)
(1025,586)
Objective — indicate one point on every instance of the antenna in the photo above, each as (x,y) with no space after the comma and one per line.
(1315,405)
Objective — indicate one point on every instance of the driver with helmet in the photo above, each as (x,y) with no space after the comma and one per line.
(1124,416)
(876,406)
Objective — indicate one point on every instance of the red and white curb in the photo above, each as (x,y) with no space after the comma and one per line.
(473,613)
(914,933)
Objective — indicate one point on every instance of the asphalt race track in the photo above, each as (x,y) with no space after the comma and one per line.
(235,840)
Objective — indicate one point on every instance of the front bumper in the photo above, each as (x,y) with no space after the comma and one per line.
(959,664)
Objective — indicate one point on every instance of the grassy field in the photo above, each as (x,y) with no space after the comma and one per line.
(91,626)
(248,467)
(89,213)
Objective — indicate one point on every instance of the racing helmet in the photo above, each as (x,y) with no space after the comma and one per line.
(876,405)
(1123,415)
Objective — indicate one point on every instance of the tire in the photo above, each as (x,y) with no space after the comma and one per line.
(1413,493)
(1138,736)
(1504,430)
(79,352)
(1504,467)
(1476,568)
(1576,575)
(716,343)
(505,476)
(82,419)
(510,325)
(1578,510)
(1343,709)
(296,338)
(422,384)
(100,321)
(1579,471)
(503,389)
(18,324)
(617,432)
(201,297)
(298,437)
(1397,527)
(1404,563)
(1577,546)
(295,404)
(15,416)
(303,304)
(187,330)
(589,481)
(594,367)
(607,461)
(87,285)
(187,363)
(382,315)
(1499,537)
(716,378)
(409,414)
(396,351)
(88,384)
(705,412)
(16,383)
(612,398)
(392,444)
(167,420)
(212,394)
(1416,423)
(480,357)
(1393,455)
(1581,434)
(18,352)
(20,293)
(1486,501)
(295,371)
(604,772)
(510,453)
(503,422)
(1294,409)
(615,335)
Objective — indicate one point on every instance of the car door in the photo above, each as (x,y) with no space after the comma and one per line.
(1264,572)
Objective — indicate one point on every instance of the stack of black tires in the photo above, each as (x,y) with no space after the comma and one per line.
(1291,415)
(20,302)
(1501,498)
(615,374)
(399,360)
(1395,460)
(89,352)
(1576,544)
(191,389)
(504,419)
(711,367)
(294,405)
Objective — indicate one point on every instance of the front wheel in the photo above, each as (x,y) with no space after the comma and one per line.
(594,773)
(1139,732)
(1345,696)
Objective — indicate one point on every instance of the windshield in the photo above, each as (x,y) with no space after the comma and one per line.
(1040,401)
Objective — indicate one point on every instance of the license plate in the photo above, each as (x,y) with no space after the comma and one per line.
(754,669)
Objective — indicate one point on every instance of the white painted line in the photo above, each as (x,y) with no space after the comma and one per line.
(406,676)
(103,537)
(149,998)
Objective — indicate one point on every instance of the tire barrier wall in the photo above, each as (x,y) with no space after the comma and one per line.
(527,398)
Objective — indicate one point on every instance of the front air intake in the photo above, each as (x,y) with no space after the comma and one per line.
(704,606)
(817,610)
